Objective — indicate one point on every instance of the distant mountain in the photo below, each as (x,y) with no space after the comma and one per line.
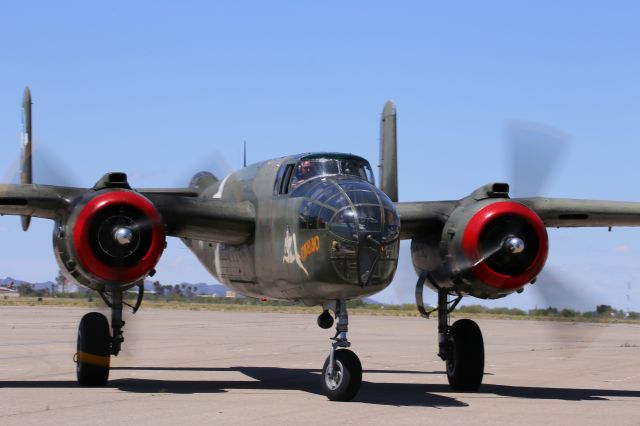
(9,280)
(70,288)
(16,282)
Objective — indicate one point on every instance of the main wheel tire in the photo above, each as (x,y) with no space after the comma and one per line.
(345,382)
(93,350)
(465,366)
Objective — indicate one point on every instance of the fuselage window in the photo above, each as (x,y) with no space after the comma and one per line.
(286,177)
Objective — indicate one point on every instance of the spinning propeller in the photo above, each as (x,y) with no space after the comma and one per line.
(536,153)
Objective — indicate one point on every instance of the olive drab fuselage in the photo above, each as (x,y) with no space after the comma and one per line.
(333,236)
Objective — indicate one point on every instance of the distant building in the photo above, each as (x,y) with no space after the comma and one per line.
(231,294)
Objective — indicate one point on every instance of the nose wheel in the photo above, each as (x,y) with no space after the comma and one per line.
(342,382)
(342,370)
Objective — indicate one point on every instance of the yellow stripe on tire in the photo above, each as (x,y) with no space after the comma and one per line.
(91,359)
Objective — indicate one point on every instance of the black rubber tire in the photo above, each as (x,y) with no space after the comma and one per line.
(93,350)
(350,379)
(465,368)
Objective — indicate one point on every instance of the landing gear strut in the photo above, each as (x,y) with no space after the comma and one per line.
(95,344)
(460,345)
(342,370)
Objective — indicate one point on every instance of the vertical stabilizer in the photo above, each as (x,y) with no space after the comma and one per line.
(388,177)
(26,176)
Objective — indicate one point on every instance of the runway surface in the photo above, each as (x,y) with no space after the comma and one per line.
(203,367)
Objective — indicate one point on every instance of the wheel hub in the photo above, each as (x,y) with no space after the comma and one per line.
(333,379)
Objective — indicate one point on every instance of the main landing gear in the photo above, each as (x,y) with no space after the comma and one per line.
(342,370)
(460,345)
(95,344)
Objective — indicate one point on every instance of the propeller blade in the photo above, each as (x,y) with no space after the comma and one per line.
(556,290)
(50,170)
(215,163)
(536,151)
(559,296)
(484,255)
(12,172)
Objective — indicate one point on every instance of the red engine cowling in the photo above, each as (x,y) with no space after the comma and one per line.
(487,249)
(112,237)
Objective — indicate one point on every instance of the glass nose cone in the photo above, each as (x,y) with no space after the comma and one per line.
(369,219)
(367,213)
(361,223)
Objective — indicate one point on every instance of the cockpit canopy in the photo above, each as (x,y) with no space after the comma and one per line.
(318,165)
(337,199)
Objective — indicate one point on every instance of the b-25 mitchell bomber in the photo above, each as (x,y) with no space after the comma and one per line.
(312,228)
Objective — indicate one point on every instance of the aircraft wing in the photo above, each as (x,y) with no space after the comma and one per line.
(45,201)
(424,218)
(183,214)
(205,219)
(570,213)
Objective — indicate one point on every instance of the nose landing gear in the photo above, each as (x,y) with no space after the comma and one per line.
(342,370)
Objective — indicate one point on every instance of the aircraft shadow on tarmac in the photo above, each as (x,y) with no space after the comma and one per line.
(307,380)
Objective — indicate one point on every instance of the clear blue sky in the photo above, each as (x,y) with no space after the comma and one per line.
(161,89)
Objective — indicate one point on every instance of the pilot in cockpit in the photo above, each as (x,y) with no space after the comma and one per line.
(350,168)
(304,171)
(353,168)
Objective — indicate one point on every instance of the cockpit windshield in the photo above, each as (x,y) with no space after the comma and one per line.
(309,168)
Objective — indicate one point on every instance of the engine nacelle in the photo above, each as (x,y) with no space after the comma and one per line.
(487,249)
(112,237)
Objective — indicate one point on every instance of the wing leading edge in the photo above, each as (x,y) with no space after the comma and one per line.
(187,216)
(184,215)
(419,219)
(213,220)
(44,201)
(570,213)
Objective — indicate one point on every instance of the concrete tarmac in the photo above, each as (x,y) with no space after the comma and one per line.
(203,367)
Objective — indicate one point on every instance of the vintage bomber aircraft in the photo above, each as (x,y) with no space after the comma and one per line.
(312,228)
